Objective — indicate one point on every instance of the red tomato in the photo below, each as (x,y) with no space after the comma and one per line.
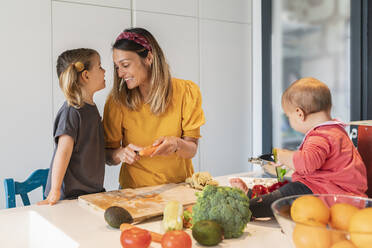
(259,189)
(176,239)
(135,238)
(277,185)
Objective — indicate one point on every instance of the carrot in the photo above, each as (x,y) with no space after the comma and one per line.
(147,151)
(156,237)
(189,208)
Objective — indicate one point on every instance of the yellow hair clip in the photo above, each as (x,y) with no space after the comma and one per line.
(79,66)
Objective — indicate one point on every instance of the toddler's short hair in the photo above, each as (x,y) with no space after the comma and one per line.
(309,94)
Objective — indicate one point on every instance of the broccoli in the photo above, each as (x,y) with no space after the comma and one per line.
(227,206)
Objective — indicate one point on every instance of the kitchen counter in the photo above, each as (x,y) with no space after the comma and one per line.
(84,227)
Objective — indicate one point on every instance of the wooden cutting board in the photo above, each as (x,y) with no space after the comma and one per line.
(141,203)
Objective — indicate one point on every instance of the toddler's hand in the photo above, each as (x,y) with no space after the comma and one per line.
(53,198)
(278,164)
(239,183)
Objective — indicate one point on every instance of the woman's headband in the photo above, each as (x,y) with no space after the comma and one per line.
(137,38)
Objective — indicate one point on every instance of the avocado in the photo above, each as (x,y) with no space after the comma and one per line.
(115,216)
(207,232)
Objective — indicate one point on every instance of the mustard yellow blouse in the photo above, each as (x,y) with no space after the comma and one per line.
(183,118)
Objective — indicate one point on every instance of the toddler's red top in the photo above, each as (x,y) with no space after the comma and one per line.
(328,163)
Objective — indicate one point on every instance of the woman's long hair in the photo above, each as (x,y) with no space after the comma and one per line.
(69,65)
(160,83)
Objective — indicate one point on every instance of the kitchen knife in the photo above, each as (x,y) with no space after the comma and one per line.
(269,158)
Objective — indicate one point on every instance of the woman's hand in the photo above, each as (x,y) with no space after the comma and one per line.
(167,146)
(53,198)
(128,154)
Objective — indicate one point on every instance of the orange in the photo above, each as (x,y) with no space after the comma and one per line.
(316,236)
(360,228)
(341,214)
(337,236)
(344,244)
(309,208)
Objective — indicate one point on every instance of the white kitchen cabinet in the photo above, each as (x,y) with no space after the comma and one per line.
(126,4)
(178,37)
(25,89)
(226,89)
(226,10)
(92,27)
(175,7)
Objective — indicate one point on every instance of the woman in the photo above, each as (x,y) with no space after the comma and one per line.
(147,107)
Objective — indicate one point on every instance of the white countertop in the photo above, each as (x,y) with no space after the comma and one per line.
(88,228)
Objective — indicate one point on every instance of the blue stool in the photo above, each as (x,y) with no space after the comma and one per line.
(38,178)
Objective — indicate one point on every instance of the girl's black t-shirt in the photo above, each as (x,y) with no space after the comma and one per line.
(86,170)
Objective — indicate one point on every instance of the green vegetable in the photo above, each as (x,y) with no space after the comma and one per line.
(187,216)
(227,206)
(281,171)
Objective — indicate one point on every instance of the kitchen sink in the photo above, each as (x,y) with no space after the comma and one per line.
(29,229)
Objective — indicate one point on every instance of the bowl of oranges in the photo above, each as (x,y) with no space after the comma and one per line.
(325,220)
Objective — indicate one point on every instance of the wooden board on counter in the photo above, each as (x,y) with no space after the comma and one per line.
(141,203)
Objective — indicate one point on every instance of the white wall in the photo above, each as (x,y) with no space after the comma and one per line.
(206,41)
(25,89)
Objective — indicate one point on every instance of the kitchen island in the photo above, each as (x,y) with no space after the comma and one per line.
(70,224)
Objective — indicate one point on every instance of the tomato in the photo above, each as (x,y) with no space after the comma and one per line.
(259,189)
(135,238)
(176,239)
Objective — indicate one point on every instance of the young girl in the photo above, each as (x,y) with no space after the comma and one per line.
(78,164)
(327,161)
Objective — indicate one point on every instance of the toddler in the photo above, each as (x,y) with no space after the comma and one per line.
(326,162)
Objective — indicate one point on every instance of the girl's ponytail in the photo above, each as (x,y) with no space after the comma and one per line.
(68,81)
